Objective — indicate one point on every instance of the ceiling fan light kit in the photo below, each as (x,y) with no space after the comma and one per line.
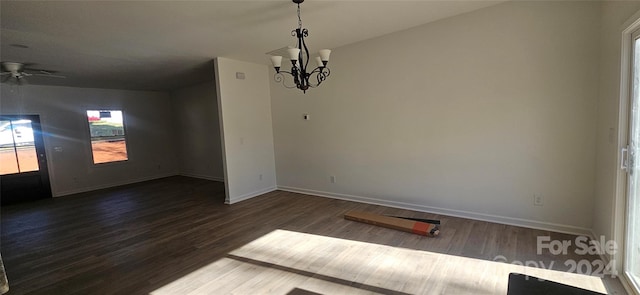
(299,57)
(16,72)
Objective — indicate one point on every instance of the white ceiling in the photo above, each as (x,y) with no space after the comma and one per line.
(164,45)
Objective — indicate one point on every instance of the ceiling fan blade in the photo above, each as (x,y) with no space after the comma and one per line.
(17,72)
(49,75)
(40,71)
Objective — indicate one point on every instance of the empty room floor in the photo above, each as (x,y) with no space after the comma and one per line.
(175,236)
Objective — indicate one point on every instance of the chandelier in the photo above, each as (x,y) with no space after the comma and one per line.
(299,57)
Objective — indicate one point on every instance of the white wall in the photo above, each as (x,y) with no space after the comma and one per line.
(199,147)
(614,16)
(247,134)
(468,116)
(62,111)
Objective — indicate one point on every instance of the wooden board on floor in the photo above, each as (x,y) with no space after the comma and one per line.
(412,226)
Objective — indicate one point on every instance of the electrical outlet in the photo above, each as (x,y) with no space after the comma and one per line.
(260,177)
(332,179)
(538,200)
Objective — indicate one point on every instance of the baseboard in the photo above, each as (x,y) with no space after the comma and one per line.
(113,184)
(206,177)
(250,195)
(449,212)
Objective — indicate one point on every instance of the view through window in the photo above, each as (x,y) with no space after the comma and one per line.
(17,147)
(108,142)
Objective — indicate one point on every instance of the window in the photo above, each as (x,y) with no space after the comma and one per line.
(17,147)
(108,143)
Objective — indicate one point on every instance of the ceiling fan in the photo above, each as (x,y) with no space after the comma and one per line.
(17,72)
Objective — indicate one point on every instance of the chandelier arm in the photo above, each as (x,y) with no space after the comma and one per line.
(316,70)
(328,72)
(322,75)
(295,73)
(320,70)
(300,76)
(281,71)
(300,72)
(280,78)
(305,33)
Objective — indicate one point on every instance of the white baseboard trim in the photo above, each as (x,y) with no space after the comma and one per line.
(250,195)
(206,177)
(449,212)
(113,184)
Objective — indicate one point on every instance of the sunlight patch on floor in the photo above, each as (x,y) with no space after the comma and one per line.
(283,261)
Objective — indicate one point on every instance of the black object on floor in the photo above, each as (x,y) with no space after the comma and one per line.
(520,284)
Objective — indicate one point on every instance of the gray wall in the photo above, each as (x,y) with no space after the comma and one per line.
(614,16)
(469,116)
(198,136)
(246,127)
(150,131)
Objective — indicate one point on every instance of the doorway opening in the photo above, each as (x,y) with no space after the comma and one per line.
(24,173)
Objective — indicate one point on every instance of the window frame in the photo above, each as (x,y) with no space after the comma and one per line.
(124,130)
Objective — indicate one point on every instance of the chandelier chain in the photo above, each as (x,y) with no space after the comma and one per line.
(299,19)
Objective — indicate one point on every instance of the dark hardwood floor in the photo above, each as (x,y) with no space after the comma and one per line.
(138,238)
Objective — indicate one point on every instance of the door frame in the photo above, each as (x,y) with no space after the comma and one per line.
(619,214)
(41,153)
